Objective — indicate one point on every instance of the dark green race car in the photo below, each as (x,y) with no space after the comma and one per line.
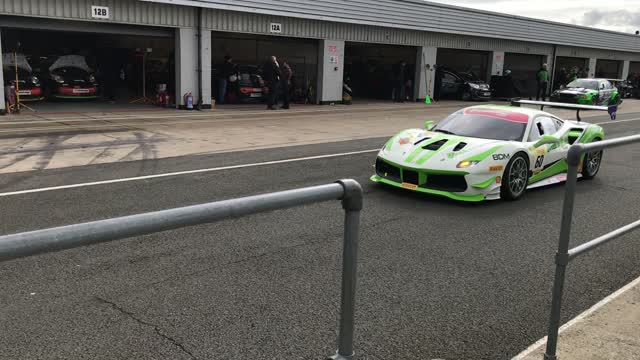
(588,92)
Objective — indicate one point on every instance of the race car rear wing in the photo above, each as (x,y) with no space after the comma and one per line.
(611,109)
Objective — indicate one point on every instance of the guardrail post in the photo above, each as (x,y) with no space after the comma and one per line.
(352,204)
(562,256)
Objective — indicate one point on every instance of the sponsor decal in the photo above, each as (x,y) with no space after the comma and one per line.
(409,186)
(496,168)
(404,141)
(498,179)
(501,156)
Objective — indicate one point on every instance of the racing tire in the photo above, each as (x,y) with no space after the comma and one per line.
(466,95)
(515,178)
(591,164)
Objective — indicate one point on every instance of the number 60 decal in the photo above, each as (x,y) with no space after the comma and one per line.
(539,161)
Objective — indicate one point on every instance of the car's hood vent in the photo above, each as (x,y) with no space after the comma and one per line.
(435,145)
(421,140)
(460,146)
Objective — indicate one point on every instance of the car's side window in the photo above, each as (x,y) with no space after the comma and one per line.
(534,133)
(544,126)
(449,77)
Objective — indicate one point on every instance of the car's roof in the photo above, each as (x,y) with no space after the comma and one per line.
(513,109)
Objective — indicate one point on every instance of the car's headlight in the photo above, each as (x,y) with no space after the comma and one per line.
(474,86)
(57,78)
(466,164)
(34,79)
(92,79)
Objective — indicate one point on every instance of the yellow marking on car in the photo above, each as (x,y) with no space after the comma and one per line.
(496,168)
(409,186)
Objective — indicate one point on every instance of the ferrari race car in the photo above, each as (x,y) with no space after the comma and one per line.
(588,92)
(487,152)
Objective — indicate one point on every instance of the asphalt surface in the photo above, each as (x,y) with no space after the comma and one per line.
(437,278)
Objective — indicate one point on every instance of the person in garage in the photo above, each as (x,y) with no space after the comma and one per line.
(400,81)
(562,79)
(285,83)
(225,74)
(542,78)
(271,72)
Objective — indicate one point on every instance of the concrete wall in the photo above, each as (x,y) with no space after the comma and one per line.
(186,65)
(330,71)
(496,65)
(425,78)
(2,101)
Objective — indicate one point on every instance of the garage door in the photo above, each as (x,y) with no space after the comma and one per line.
(568,63)
(634,68)
(523,71)
(468,61)
(608,69)
(252,51)
(372,69)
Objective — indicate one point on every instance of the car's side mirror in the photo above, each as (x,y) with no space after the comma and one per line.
(429,124)
(547,139)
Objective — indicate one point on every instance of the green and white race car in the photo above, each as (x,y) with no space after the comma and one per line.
(487,152)
(588,92)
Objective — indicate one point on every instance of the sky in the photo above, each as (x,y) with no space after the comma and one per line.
(616,15)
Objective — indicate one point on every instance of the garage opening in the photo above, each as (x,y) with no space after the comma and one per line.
(608,69)
(457,69)
(524,68)
(382,72)
(79,71)
(249,53)
(564,67)
(634,69)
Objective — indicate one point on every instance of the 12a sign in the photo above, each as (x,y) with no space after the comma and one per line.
(100,12)
(276,28)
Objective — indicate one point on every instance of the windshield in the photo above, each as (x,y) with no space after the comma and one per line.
(584,83)
(469,77)
(481,123)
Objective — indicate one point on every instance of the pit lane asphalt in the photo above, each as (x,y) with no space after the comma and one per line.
(437,278)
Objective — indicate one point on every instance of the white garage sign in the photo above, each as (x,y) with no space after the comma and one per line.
(275,28)
(100,12)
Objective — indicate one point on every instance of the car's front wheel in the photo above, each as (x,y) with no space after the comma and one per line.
(591,164)
(466,95)
(515,178)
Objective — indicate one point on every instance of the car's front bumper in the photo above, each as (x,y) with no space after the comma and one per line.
(457,185)
(481,94)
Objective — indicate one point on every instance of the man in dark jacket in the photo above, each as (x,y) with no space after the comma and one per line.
(400,80)
(285,83)
(272,77)
(225,73)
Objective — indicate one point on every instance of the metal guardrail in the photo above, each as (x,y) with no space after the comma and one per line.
(71,236)
(564,254)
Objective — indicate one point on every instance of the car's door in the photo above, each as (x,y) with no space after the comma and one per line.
(605,91)
(547,154)
(450,84)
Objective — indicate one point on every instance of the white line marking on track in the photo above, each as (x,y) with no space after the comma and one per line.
(187,172)
(617,121)
(578,318)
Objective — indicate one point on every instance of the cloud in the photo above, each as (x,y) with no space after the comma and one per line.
(624,19)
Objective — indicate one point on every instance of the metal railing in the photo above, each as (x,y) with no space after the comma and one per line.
(71,236)
(564,254)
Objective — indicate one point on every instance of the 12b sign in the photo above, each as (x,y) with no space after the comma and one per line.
(276,28)
(100,12)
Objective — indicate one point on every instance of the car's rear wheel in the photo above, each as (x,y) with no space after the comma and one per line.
(591,164)
(515,178)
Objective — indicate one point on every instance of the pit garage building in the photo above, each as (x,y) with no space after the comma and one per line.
(182,42)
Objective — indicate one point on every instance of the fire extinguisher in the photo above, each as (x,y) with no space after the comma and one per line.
(188,100)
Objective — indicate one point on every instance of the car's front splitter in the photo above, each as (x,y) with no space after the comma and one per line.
(454,196)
